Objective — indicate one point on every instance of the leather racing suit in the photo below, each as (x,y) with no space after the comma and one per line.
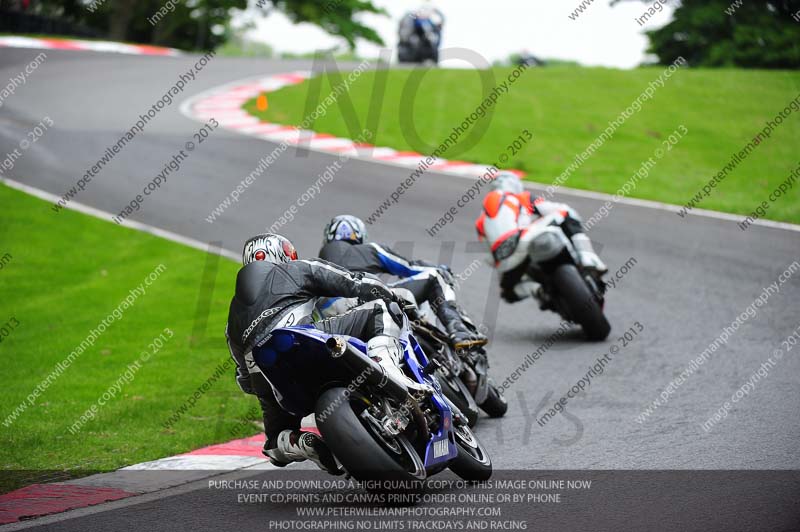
(269,296)
(423,280)
(506,215)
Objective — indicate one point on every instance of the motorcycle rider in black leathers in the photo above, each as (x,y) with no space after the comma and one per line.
(417,29)
(275,289)
(344,244)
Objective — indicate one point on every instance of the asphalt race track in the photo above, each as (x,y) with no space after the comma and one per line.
(692,276)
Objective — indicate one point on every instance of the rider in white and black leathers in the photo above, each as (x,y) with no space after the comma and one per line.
(273,290)
(509,209)
(344,244)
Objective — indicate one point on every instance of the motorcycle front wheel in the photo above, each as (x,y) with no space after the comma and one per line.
(473,461)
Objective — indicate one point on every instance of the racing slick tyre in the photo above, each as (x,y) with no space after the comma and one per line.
(582,306)
(358,443)
(495,404)
(473,462)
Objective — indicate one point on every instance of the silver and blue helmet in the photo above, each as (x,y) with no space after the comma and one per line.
(345,227)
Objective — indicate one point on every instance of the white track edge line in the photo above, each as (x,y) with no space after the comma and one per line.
(185,108)
(651,204)
(132,224)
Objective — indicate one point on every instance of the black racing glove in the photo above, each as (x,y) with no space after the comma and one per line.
(243,380)
(447,274)
(372,290)
(424,263)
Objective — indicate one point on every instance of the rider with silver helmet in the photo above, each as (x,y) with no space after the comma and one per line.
(274,289)
(507,208)
(344,243)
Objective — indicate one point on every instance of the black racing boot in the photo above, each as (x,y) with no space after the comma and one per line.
(461,336)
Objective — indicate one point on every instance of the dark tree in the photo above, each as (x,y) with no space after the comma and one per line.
(741,33)
(198,25)
(337,17)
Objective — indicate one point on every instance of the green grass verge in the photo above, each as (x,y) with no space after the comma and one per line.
(61,275)
(567,108)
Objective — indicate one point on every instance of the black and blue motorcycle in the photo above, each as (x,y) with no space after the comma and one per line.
(419,37)
(376,428)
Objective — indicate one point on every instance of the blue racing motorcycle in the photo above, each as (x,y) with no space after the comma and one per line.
(419,36)
(376,428)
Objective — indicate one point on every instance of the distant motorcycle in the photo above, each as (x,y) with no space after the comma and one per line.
(576,294)
(529,60)
(374,426)
(419,38)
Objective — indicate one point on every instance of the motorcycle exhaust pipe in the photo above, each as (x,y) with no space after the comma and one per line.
(366,370)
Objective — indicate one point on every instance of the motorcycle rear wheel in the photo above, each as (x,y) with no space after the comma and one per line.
(361,449)
(582,306)
(495,404)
